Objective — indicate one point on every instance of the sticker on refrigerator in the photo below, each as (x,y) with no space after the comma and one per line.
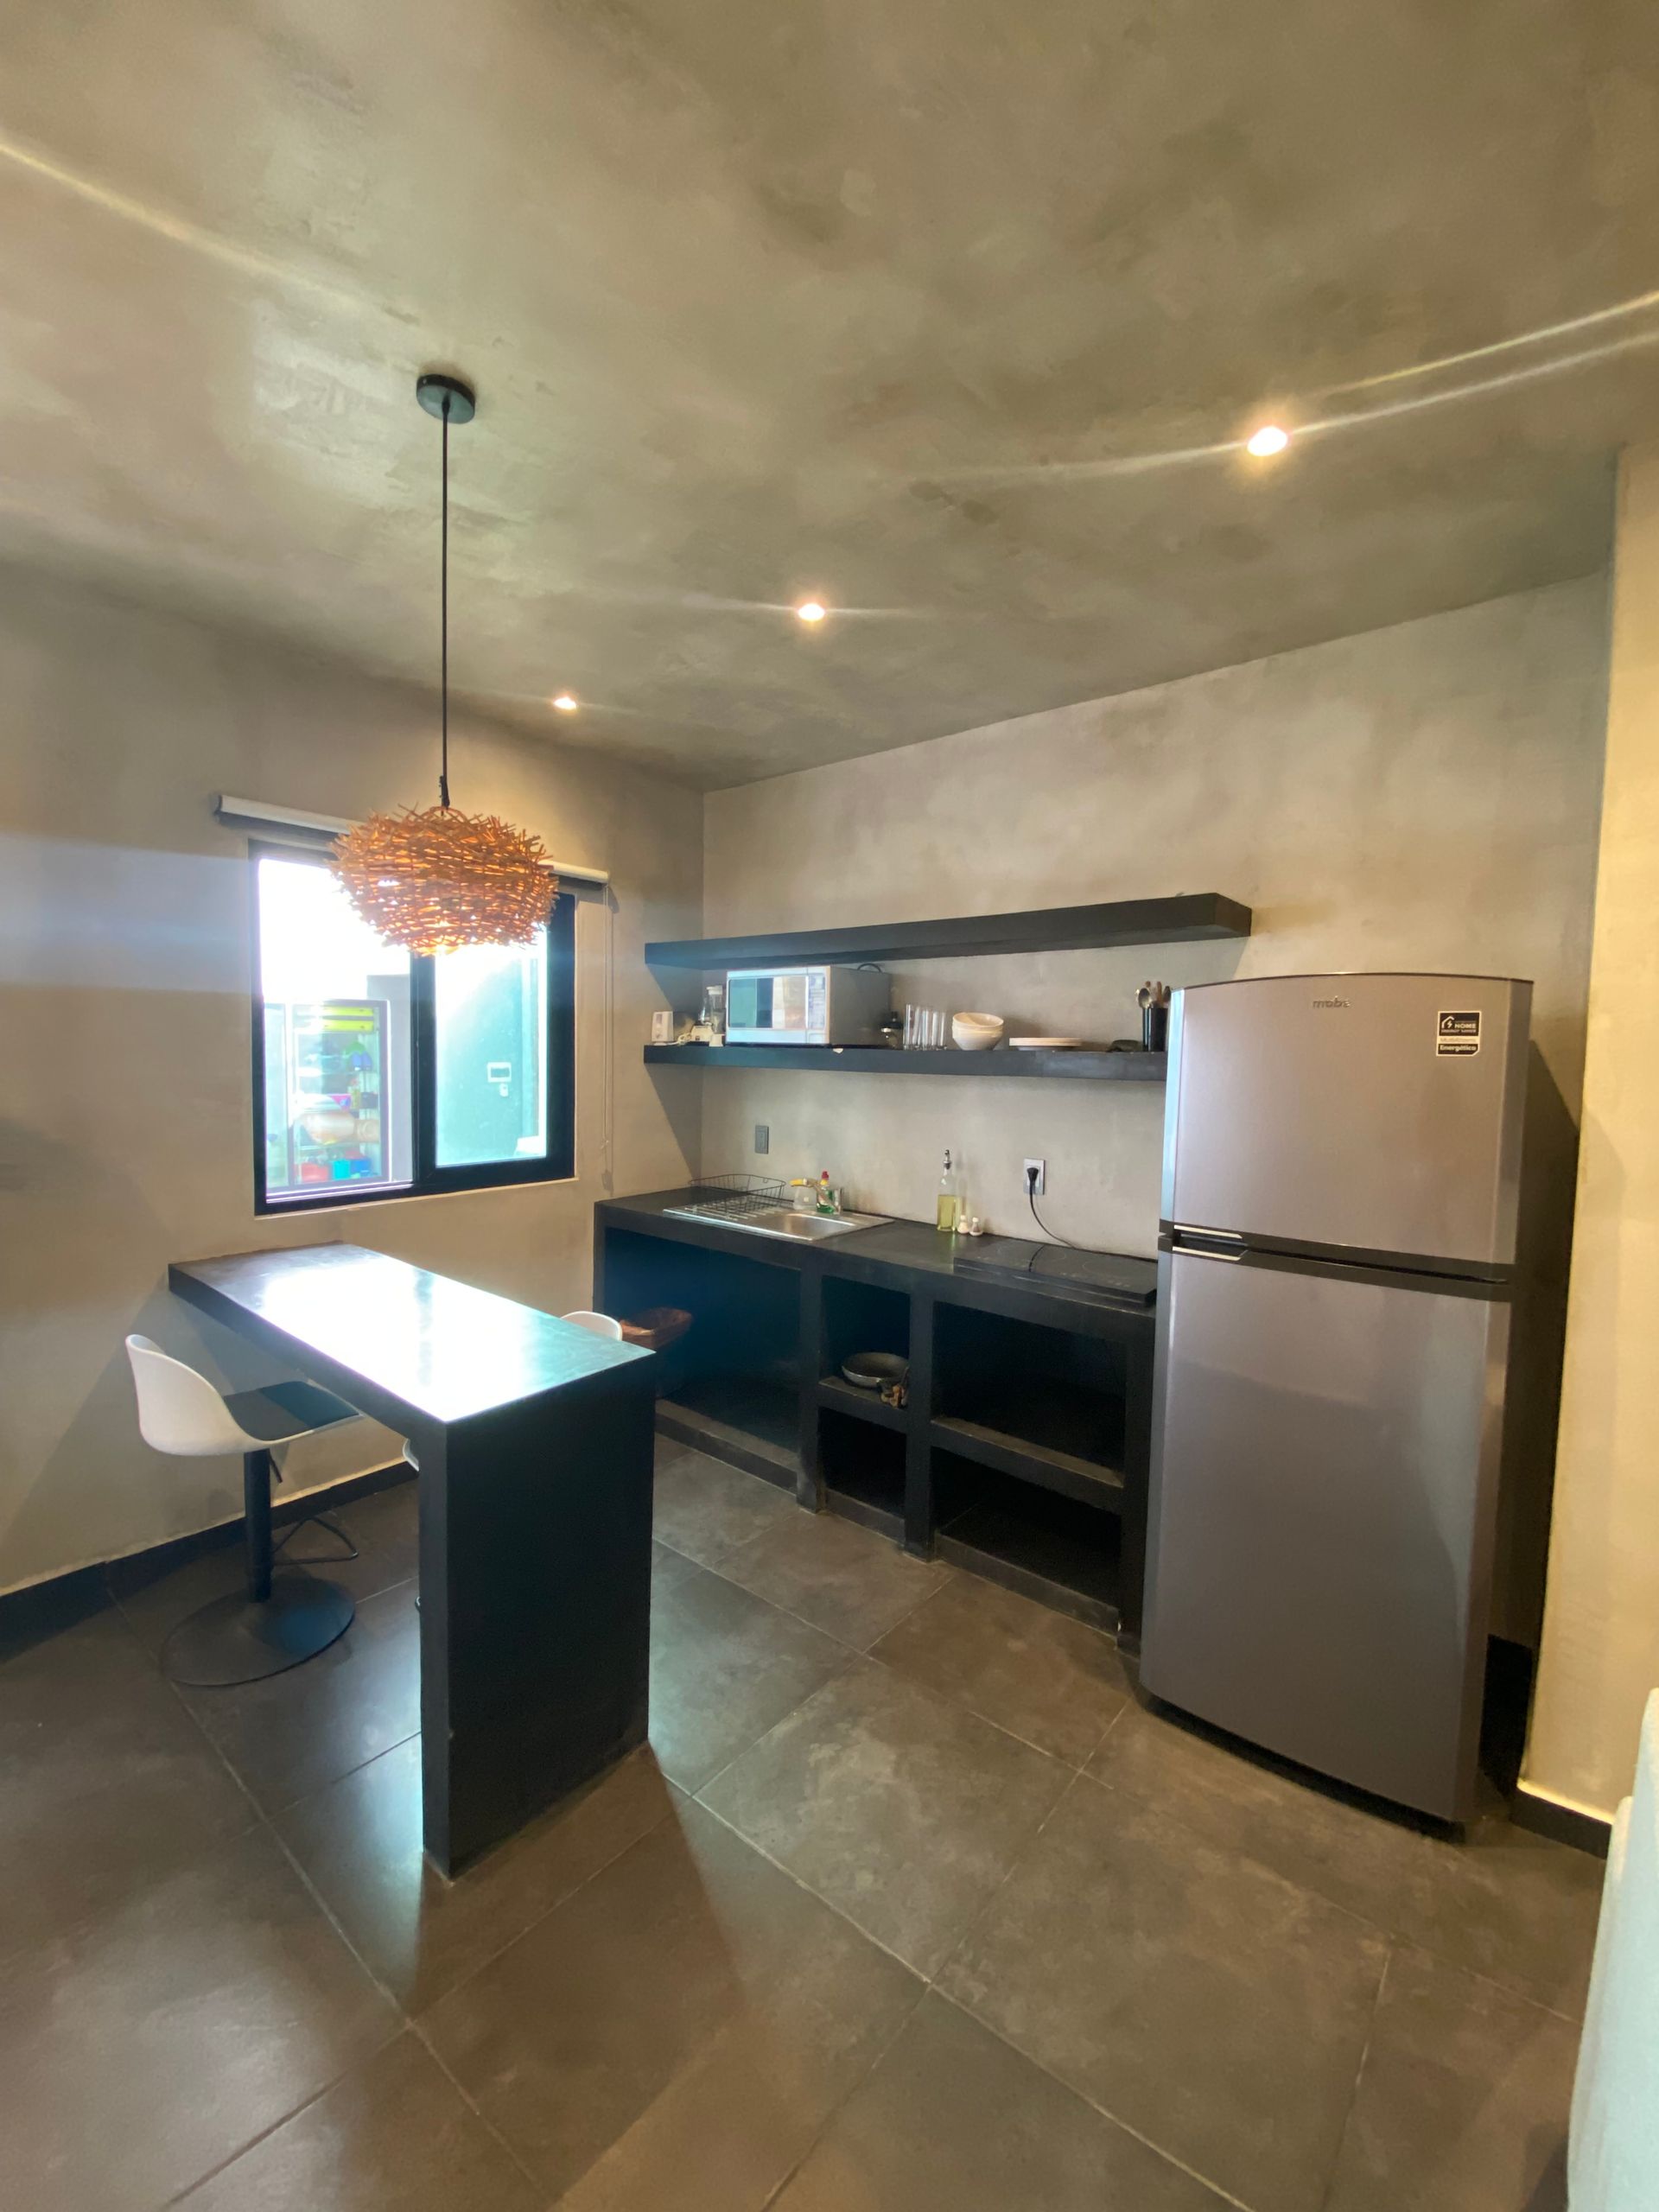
(1459,1035)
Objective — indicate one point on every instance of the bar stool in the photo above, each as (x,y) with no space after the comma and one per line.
(286,1615)
(597,1324)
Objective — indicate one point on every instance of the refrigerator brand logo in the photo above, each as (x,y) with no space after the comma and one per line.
(1457,1036)
(1330,1002)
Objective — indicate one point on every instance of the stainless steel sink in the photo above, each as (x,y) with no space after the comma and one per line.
(784,1221)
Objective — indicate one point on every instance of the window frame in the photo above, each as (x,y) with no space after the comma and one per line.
(430,1180)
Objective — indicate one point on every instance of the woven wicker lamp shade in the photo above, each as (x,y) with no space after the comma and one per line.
(435,880)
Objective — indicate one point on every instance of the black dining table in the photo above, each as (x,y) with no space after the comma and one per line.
(534,1439)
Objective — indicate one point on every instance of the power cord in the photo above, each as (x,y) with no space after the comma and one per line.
(330,1527)
(1031,1200)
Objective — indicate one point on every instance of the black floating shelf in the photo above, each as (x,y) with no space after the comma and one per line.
(881,1060)
(1187,920)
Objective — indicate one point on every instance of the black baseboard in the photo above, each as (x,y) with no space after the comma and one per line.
(47,1608)
(1561,1823)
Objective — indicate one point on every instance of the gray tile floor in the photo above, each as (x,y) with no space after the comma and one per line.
(911,1908)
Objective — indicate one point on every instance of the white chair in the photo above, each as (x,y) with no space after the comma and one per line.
(285,1617)
(597,1324)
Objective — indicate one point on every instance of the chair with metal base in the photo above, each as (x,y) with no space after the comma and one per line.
(286,1615)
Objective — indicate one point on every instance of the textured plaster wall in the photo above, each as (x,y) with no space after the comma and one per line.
(125,1108)
(1424,796)
(1600,1655)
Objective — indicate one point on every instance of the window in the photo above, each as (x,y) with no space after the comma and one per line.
(379,1074)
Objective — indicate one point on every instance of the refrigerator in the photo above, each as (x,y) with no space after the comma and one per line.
(1336,1258)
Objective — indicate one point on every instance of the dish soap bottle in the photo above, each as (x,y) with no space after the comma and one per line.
(948,1212)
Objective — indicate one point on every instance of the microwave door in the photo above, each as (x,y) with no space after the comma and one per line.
(748,1002)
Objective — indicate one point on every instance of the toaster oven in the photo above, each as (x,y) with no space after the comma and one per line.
(805,1006)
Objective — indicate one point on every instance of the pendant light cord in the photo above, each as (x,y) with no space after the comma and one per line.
(443,617)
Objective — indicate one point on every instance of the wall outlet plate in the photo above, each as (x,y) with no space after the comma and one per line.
(662,1026)
(1037,1188)
(762,1137)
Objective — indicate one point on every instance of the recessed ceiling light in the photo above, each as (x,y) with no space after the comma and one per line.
(1267,441)
(811,610)
(566,703)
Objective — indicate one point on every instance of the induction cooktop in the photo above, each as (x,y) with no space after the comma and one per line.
(1120,1277)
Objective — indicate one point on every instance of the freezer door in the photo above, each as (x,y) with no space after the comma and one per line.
(1376,1113)
(1325,1467)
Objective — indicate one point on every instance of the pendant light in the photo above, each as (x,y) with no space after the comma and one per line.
(436,879)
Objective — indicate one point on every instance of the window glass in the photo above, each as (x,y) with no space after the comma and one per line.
(491,1027)
(335,1012)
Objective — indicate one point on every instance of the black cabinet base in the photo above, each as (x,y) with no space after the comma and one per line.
(1021,1453)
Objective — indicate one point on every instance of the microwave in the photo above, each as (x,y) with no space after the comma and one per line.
(805,1006)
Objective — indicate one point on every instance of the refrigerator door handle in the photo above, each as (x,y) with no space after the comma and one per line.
(1207,1243)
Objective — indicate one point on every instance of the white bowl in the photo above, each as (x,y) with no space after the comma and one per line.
(976,1032)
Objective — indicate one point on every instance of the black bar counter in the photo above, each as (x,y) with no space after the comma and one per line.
(535,1441)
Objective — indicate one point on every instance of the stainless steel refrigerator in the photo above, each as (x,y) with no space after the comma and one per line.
(1341,1165)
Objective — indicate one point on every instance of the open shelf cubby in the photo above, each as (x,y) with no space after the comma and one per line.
(760,1409)
(1037,1403)
(863,1471)
(731,1384)
(1062,1554)
(862,1317)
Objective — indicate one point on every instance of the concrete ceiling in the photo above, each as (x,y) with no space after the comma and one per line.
(931,308)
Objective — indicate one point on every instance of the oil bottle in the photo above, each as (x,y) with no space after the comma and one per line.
(948,1211)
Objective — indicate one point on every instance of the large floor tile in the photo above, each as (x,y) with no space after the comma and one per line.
(1216,2009)
(845,1579)
(140,2052)
(951,2120)
(385,1528)
(382,1526)
(1363,1860)
(898,1807)
(1513,1906)
(1463,2103)
(725,1667)
(106,1784)
(359,1840)
(672,2039)
(394,2136)
(1055,1681)
(1500,1902)
(705,1509)
(292,1733)
(666,1565)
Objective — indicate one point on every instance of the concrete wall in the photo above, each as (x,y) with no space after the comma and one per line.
(124,1112)
(1424,796)
(1600,1654)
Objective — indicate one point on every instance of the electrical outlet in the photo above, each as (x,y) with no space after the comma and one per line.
(762,1137)
(1037,1188)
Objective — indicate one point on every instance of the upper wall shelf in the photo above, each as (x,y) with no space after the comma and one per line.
(1185,920)
(881,1060)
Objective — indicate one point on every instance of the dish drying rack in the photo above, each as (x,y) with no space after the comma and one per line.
(735,1198)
